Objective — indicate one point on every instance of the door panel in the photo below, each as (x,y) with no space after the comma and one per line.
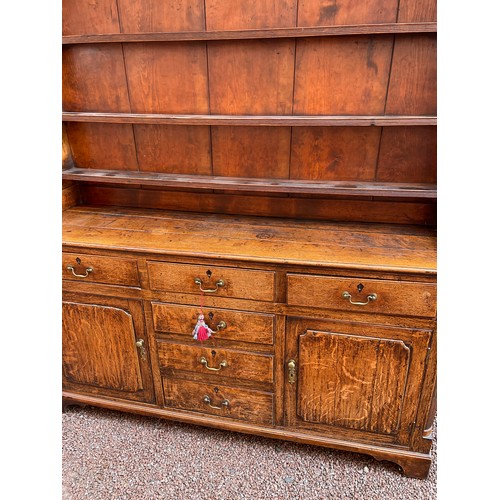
(100,351)
(356,380)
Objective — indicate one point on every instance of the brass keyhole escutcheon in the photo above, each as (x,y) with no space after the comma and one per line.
(292,371)
(142,349)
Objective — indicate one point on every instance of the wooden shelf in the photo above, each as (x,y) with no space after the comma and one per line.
(187,36)
(261,120)
(344,188)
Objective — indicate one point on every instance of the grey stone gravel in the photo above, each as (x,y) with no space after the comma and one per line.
(112,455)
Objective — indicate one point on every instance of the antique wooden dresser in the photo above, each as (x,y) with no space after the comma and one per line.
(270,164)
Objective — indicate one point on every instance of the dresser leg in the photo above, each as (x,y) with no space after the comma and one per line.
(417,467)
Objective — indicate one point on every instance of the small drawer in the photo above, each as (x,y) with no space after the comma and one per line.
(240,326)
(217,281)
(220,363)
(362,295)
(219,400)
(99,269)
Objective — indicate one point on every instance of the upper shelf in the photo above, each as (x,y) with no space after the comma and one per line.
(186,36)
(341,188)
(252,120)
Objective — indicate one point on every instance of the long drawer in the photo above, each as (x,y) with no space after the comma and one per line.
(226,364)
(219,400)
(227,324)
(363,295)
(100,269)
(218,281)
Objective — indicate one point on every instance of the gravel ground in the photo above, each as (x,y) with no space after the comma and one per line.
(112,455)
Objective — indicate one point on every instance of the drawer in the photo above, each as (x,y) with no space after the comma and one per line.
(228,325)
(392,297)
(218,281)
(220,363)
(99,269)
(221,401)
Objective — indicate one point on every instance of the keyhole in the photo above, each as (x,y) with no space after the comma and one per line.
(213,354)
(78,260)
(209,273)
(216,390)
(211,315)
(360,287)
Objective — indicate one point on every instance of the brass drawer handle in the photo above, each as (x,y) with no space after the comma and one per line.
(87,272)
(348,296)
(208,401)
(209,290)
(222,364)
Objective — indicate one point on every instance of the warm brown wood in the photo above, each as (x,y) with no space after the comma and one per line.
(253,184)
(251,239)
(138,16)
(98,145)
(167,78)
(173,149)
(115,271)
(67,157)
(417,11)
(235,154)
(413,85)
(250,14)
(99,348)
(247,405)
(251,77)
(351,381)
(324,13)
(70,196)
(408,153)
(393,297)
(240,365)
(256,120)
(356,67)
(315,208)
(251,285)
(251,34)
(94,79)
(240,326)
(334,153)
(283,154)
(356,380)
(81,17)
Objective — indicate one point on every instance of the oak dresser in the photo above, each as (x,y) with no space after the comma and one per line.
(269,165)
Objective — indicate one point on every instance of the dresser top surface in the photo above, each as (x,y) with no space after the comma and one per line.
(381,247)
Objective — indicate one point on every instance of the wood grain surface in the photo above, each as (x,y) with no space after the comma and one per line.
(94,79)
(167,78)
(246,405)
(139,16)
(240,325)
(254,239)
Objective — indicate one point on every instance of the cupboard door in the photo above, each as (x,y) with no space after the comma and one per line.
(105,349)
(356,381)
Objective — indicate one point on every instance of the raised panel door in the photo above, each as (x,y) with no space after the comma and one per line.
(105,349)
(354,380)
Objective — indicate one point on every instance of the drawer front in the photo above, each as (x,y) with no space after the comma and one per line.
(218,281)
(99,269)
(221,363)
(362,295)
(227,324)
(218,400)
